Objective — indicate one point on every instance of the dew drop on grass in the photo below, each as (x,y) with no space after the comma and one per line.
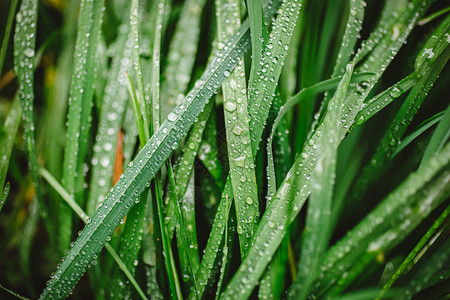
(172,117)
(28,52)
(230,106)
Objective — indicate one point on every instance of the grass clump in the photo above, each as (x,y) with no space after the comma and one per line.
(229,149)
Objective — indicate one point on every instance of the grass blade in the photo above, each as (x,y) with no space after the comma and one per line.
(112,112)
(7,33)
(425,242)
(439,137)
(410,138)
(4,195)
(181,56)
(383,99)
(80,106)
(85,218)
(10,128)
(260,93)
(242,169)
(319,208)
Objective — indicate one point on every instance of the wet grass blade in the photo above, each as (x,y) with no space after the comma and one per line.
(425,242)
(80,107)
(114,105)
(145,166)
(260,92)
(439,137)
(7,32)
(242,168)
(84,216)
(4,195)
(303,95)
(317,229)
(410,138)
(380,101)
(10,128)
(181,56)
(24,59)
(256,17)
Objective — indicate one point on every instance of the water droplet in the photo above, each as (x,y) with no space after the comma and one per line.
(172,117)
(230,106)
(28,52)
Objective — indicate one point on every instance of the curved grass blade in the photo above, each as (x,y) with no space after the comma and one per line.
(425,242)
(439,137)
(410,138)
(112,111)
(7,32)
(84,216)
(144,167)
(316,235)
(401,121)
(80,107)
(181,56)
(10,128)
(242,169)
(380,101)
(303,95)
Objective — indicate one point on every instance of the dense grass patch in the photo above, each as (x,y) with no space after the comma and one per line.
(228,149)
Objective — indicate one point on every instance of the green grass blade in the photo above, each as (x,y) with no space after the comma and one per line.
(422,277)
(425,242)
(10,128)
(144,167)
(7,33)
(112,112)
(256,17)
(380,101)
(224,253)
(261,92)
(84,216)
(242,169)
(400,123)
(4,195)
(140,102)
(439,137)
(410,138)
(303,95)
(433,16)
(24,59)
(156,60)
(352,30)
(187,238)
(80,107)
(319,208)
(181,56)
